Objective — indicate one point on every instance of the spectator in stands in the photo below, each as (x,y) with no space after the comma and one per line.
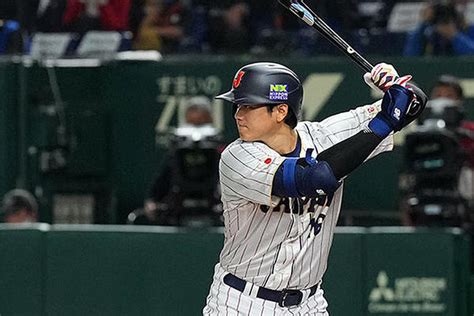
(443,31)
(188,181)
(49,15)
(24,13)
(275,30)
(10,37)
(342,15)
(19,206)
(162,27)
(8,9)
(229,29)
(107,15)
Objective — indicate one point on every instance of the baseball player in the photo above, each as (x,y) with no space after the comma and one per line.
(281,185)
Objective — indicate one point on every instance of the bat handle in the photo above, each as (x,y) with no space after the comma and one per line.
(361,61)
(340,43)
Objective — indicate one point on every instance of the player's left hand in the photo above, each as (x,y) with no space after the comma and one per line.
(383,76)
(396,105)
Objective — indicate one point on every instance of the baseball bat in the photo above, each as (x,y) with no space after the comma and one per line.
(301,10)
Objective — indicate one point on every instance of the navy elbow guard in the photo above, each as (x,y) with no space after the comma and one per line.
(316,179)
(297,177)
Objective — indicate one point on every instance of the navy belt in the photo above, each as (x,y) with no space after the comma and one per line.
(284,298)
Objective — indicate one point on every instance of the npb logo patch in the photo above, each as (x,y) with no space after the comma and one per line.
(278,92)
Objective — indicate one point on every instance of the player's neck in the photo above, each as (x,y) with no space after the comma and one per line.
(284,141)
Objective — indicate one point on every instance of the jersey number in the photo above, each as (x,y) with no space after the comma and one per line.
(317,224)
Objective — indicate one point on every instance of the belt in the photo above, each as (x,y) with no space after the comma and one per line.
(284,298)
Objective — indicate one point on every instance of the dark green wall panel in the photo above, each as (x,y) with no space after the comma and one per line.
(345,274)
(22,255)
(119,270)
(116,273)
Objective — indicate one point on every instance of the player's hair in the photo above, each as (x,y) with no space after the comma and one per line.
(290,118)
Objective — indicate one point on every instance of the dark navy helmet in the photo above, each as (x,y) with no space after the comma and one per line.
(266,83)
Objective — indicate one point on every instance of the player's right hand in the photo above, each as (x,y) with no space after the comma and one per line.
(383,76)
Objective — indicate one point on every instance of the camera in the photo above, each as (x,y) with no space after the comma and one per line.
(195,158)
(433,159)
(194,154)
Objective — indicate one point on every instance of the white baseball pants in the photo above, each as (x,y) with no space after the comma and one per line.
(225,300)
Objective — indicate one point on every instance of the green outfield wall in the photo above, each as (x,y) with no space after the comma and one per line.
(115,113)
(125,270)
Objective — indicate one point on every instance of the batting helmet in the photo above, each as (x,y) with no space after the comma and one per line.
(266,83)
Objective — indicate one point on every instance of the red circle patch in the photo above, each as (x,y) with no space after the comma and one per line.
(268,161)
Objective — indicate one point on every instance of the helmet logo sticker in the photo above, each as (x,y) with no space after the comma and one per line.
(278,92)
(237,79)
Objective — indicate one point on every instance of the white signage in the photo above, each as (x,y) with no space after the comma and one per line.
(49,45)
(407,295)
(405,17)
(97,43)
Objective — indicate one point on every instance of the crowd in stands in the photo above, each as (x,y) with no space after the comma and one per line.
(413,28)
(443,31)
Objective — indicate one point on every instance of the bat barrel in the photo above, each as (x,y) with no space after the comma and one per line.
(301,10)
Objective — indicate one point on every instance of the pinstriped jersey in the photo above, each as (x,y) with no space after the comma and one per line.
(282,243)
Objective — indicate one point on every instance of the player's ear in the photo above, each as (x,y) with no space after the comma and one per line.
(281,112)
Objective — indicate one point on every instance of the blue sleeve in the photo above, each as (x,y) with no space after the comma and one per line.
(414,42)
(278,188)
(463,43)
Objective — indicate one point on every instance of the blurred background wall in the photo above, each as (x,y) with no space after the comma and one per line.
(109,117)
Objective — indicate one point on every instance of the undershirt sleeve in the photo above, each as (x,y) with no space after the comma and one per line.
(346,156)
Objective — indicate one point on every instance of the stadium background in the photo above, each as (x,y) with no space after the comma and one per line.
(112,109)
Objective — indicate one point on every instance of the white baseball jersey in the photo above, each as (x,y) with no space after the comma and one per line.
(281,243)
(278,243)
